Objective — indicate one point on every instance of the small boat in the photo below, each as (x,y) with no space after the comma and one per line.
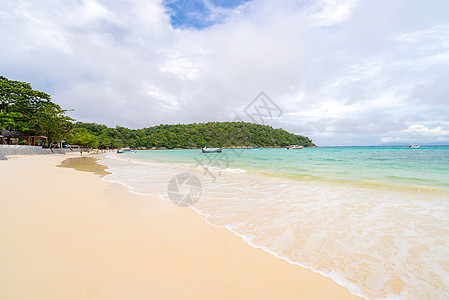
(294,147)
(255,148)
(126,151)
(414,146)
(212,150)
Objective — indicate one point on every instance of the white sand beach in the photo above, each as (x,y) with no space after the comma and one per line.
(66,234)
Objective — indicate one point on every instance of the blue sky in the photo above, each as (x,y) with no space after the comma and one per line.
(199,13)
(347,72)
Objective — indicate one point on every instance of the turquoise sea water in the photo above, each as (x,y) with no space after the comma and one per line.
(425,166)
(373,219)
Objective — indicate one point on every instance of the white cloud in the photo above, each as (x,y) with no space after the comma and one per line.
(421,129)
(340,73)
(393,140)
(330,12)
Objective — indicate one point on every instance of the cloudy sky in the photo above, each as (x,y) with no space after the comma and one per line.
(343,72)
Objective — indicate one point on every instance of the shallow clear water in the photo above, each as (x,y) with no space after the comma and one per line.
(427,166)
(375,220)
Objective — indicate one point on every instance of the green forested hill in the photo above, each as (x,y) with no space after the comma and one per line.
(32,112)
(197,135)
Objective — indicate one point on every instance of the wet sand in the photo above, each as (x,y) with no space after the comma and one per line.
(66,234)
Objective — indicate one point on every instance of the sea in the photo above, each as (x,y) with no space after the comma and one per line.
(373,219)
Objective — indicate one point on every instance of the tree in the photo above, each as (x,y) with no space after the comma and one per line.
(52,122)
(25,109)
(83,137)
(19,104)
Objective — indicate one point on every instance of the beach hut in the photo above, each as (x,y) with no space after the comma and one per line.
(9,136)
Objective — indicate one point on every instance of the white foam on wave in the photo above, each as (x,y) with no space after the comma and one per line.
(135,174)
(219,169)
(376,243)
(331,275)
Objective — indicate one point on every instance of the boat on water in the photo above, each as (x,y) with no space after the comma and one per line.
(126,151)
(212,150)
(414,146)
(294,147)
(255,148)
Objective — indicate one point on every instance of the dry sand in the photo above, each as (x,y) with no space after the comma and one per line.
(66,234)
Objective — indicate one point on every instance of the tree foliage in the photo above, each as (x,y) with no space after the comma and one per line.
(25,109)
(82,136)
(197,135)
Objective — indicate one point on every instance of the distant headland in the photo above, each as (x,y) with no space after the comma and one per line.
(189,136)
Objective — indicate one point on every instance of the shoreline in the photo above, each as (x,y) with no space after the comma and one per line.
(78,236)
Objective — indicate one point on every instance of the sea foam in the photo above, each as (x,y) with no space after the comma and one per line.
(378,243)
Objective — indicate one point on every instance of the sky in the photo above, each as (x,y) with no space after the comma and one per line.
(342,72)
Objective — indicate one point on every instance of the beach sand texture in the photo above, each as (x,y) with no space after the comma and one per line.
(66,234)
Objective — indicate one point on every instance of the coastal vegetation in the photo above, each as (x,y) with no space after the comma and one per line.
(26,110)
(197,135)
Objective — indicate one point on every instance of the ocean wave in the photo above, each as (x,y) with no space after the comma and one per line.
(377,241)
